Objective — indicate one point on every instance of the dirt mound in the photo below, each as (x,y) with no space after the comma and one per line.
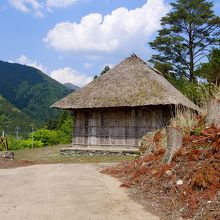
(189,186)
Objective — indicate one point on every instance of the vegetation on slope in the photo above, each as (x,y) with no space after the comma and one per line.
(11,117)
(30,90)
(57,132)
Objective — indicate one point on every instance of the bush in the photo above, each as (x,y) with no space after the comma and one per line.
(47,137)
(199,93)
(66,131)
(15,144)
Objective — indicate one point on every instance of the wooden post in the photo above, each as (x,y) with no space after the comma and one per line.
(213,115)
(174,143)
(4,143)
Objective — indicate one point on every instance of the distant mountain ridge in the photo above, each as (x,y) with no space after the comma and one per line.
(30,90)
(71,86)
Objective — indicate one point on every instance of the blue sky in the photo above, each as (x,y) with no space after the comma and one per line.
(72,40)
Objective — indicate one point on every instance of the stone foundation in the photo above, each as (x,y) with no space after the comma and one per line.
(98,152)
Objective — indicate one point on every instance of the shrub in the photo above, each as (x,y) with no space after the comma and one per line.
(47,137)
(199,93)
(66,131)
(15,144)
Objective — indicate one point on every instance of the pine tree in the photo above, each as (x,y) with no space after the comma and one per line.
(187,34)
(211,70)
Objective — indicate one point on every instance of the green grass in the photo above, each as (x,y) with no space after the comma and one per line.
(51,155)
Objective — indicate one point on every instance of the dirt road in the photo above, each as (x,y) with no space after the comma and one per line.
(65,192)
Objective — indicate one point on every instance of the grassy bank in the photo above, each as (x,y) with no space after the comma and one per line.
(51,155)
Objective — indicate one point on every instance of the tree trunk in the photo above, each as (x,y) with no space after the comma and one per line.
(191,54)
(174,143)
(213,116)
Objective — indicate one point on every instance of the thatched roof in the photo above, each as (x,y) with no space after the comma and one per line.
(130,83)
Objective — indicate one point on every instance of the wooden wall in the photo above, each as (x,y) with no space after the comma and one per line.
(117,126)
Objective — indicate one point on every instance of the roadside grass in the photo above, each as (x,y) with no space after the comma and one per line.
(52,154)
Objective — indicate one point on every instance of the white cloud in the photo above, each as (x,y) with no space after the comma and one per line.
(59,3)
(25,5)
(28,6)
(23,59)
(39,14)
(39,7)
(88,65)
(92,57)
(69,75)
(117,31)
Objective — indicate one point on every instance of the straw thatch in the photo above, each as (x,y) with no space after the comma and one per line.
(130,83)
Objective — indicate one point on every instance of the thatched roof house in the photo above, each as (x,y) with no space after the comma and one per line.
(121,105)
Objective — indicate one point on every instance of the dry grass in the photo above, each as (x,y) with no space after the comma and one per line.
(210,95)
(185,119)
(216,94)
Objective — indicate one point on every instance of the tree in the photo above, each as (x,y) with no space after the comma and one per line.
(52,123)
(187,34)
(211,70)
(65,115)
(106,69)
(164,68)
(66,131)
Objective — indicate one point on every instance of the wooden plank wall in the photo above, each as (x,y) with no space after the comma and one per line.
(117,127)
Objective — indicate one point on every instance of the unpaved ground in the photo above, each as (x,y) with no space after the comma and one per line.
(8,163)
(65,192)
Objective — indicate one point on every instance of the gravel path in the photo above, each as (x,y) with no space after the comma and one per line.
(65,192)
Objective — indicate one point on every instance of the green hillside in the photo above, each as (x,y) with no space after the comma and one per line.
(11,117)
(30,90)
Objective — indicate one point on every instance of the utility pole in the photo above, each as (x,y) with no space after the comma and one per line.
(17,130)
(32,136)
(6,130)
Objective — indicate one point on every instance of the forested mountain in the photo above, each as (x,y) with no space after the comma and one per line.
(12,119)
(71,86)
(30,90)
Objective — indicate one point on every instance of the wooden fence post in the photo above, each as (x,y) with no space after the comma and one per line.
(213,115)
(174,143)
(4,143)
